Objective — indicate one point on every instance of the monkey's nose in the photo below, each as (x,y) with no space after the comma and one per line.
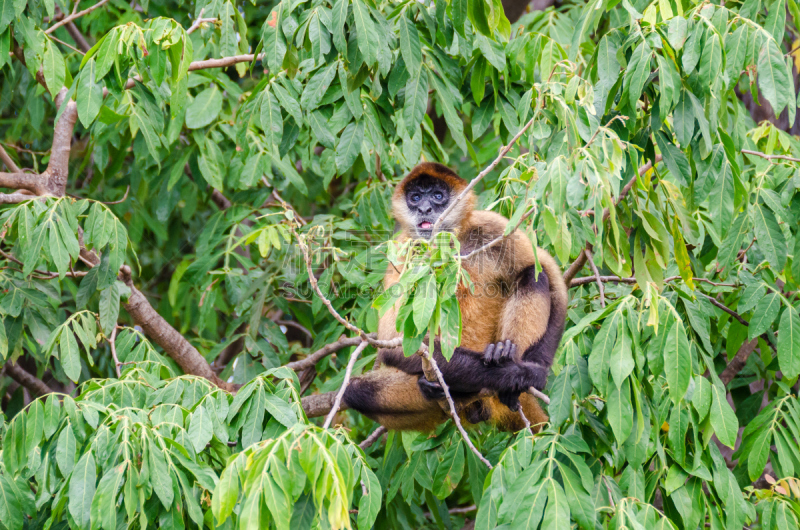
(425,209)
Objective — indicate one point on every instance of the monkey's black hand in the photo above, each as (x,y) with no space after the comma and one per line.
(510,400)
(502,352)
(431,390)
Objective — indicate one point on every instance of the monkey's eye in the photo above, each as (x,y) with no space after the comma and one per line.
(438,196)
(415,198)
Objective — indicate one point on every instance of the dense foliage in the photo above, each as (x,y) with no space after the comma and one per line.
(155,291)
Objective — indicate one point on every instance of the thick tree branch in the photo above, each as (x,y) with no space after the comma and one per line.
(22,181)
(35,385)
(14,198)
(320,404)
(163,334)
(738,361)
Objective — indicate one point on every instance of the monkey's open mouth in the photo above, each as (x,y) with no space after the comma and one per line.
(425,225)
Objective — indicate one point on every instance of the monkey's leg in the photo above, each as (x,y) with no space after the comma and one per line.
(392,398)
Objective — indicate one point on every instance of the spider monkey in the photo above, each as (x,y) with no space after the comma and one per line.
(512,321)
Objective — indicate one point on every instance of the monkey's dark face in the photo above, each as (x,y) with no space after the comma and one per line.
(426,198)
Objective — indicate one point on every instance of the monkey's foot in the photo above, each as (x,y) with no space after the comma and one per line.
(510,400)
(499,353)
(431,390)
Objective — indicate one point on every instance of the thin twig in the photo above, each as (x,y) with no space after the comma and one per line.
(112,342)
(313,280)
(349,370)
(525,419)
(503,152)
(596,276)
(453,411)
(770,157)
(73,16)
(323,352)
(536,393)
(68,45)
(372,438)
(127,190)
(499,238)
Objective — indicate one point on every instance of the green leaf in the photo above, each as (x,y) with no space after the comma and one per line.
(200,429)
(204,109)
(70,356)
(637,72)
(317,86)
(104,504)
(370,503)
(89,96)
(730,247)
(701,399)
(366,34)
(65,450)
(789,343)
(560,397)
(711,59)
(723,419)
(600,358)
(34,425)
(416,101)
(774,80)
(620,411)
(226,493)
(764,314)
(271,119)
(556,514)
(621,360)
(54,68)
(769,236)
(580,503)
(10,509)
(337,25)
(82,485)
(759,453)
(349,146)
(450,470)
(677,361)
(109,308)
(721,198)
(410,46)
(776,21)
(160,475)
(683,119)
(280,410)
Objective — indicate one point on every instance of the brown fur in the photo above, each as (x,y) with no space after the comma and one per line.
(500,308)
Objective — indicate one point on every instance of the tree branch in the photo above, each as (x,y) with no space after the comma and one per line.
(596,276)
(372,438)
(70,18)
(23,377)
(738,361)
(770,157)
(163,334)
(14,198)
(8,161)
(453,411)
(348,371)
(319,404)
(503,152)
(326,350)
(22,181)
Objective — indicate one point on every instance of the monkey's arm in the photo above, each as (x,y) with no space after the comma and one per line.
(466,373)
